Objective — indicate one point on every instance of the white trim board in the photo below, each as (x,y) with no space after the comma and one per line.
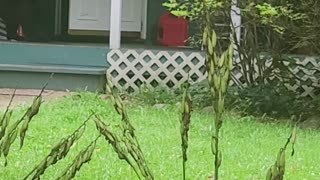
(144,23)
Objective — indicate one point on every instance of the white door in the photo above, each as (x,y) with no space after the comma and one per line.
(94,15)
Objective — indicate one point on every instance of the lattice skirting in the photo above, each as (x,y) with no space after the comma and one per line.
(130,68)
(307,69)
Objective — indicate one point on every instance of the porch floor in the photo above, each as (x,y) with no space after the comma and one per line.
(125,45)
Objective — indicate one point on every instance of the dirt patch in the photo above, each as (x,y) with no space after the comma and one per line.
(26,96)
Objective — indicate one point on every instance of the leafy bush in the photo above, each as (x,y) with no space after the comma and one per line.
(266,99)
(272,100)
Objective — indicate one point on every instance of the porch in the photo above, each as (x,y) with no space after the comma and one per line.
(76,66)
(78,46)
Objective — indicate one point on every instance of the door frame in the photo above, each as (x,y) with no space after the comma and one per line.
(58,23)
(144,20)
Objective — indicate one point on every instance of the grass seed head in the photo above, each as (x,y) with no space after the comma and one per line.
(213,145)
(80,132)
(23,131)
(4,123)
(34,109)
(213,39)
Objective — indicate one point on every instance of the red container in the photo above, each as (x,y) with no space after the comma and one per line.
(173,31)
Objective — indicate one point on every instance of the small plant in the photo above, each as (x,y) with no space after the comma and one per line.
(8,136)
(83,157)
(219,68)
(186,108)
(276,172)
(128,143)
(60,151)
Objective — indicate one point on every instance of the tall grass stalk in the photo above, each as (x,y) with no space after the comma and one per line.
(128,138)
(186,109)
(219,68)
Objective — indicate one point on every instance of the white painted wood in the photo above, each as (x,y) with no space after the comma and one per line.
(144,20)
(115,24)
(170,68)
(132,15)
(89,15)
(95,15)
(57,19)
(236,19)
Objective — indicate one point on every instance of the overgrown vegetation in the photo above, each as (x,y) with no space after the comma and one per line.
(267,27)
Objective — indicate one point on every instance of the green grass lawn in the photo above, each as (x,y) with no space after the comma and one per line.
(249,147)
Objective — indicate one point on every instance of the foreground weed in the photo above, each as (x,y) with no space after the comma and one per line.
(5,120)
(60,151)
(276,172)
(116,143)
(8,137)
(218,75)
(83,157)
(184,124)
(127,144)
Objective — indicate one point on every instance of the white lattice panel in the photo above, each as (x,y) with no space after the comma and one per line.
(130,68)
(308,71)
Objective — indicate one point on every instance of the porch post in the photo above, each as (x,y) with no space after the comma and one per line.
(236,19)
(115,24)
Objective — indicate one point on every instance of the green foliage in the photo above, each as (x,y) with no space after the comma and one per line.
(272,100)
(265,100)
(269,99)
(193,9)
(304,35)
(255,101)
(271,15)
(266,25)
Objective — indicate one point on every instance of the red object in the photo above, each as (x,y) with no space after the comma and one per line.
(173,31)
